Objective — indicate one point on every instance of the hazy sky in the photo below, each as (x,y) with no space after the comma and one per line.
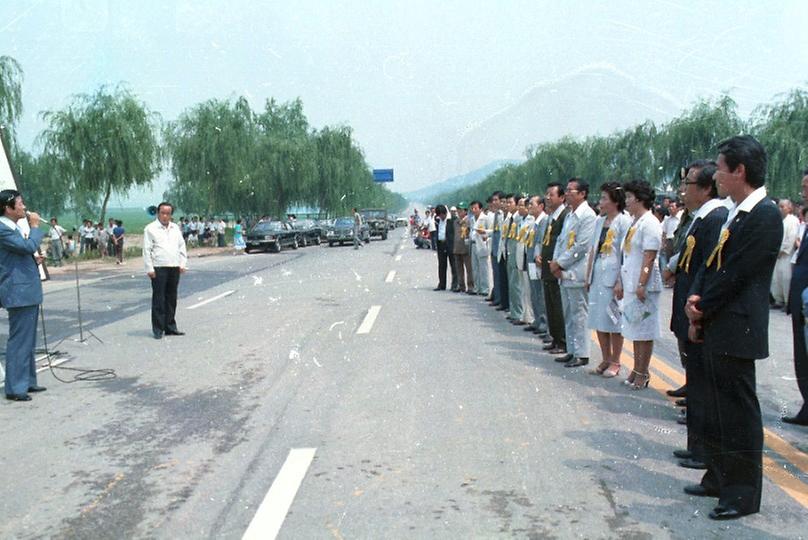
(410,77)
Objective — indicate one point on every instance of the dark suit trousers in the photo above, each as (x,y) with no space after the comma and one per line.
(164,298)
(453,268)
(503,285)
(443,256)
(697,389)
(800,356)
(20,364)
(733,441)
(496,294)
(555,312)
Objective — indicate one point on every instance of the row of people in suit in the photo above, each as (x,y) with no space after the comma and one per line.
(601,273)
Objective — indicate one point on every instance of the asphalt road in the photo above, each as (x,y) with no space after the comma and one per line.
(438,420)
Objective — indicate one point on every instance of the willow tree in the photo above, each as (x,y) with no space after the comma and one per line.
(783,130)
(103,143)
(211,151)
(10,91)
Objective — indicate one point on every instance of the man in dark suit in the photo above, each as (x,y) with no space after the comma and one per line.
(797,300)
(444,245)
(700,196)
(728,309)
(20,294)
(554,200)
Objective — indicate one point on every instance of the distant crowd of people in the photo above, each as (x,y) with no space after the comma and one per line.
(562,269)
(92,237)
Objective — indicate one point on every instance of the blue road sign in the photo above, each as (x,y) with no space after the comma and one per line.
(382,175)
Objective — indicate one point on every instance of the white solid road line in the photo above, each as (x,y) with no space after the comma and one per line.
(370,318)
(390,276)
(398,258)
(269,517)
(209,300)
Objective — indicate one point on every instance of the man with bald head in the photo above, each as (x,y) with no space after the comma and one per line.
(781,280)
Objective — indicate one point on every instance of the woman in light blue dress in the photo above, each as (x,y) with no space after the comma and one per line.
(603,269)
(238,237)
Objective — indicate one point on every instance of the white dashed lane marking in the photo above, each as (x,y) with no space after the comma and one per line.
(209,300)
(390,276)
(370,318)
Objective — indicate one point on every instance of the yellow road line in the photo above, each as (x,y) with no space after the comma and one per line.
(793,486)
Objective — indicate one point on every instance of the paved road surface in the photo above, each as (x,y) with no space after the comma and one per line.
(438,420)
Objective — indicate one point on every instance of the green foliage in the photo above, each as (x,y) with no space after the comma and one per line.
(225,158)
(45,191)
(103,143)
(10,92)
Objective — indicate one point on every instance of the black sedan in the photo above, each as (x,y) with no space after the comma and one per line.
(343,231)
(274,235)
(309,232)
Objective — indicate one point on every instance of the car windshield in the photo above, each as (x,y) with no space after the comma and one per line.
(344,222)
(268,226)
(373,214)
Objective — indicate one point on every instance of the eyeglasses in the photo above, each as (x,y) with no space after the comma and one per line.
(689,183)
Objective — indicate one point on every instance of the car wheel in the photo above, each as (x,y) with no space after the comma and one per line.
(247,250)
(317,241)
(295,244)
(384,236)
(331,244)
(341,243)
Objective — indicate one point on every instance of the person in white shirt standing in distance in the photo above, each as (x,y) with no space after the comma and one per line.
(781,280)
(165,258)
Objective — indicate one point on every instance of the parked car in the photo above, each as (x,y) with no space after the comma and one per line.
(310,231)
(324,225)
(272,234)
(402,221)
(342,232)
(376,218)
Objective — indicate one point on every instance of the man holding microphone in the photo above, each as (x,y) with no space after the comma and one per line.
(20,293)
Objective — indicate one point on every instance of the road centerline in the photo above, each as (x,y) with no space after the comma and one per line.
(209,300)
(268,519)
(370,318)
(390,276)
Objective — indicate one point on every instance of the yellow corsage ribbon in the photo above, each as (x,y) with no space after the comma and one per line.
(606,247)
(629,236)
(504,229)
(719,247)
(547,234)
(690,245)
(531,237)
(571,240)
(512,234)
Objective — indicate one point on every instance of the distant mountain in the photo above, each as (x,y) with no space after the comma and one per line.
(428,194)
(595,100)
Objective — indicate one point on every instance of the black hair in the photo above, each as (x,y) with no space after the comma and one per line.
(615,192)
(478,203)
(8,198)
(509,196)
(805,171)
(164,203)
(119,223)
(440,210)
(642,191)
(582,184)
(498,194)
(490,199)
(705,178)
(557,186)
(746,150)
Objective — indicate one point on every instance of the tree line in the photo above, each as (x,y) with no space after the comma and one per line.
(657,153)
(224,158)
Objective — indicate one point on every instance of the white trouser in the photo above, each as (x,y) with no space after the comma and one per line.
(575,304)
(781,279)
(528,315)
(481,269)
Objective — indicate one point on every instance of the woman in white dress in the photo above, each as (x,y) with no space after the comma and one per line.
(603,270)
(640,283)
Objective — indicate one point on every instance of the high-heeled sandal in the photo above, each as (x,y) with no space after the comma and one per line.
(642,383)
(612,371)
(630,379)
(600,369)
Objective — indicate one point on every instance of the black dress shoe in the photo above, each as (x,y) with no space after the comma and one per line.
(517,322)
(723,514)
(690,463)
(697,490)
(175,333)
(682,420)
(577,362)
(679,392)
(36,388)
(471,293)
(157,335)
(564,359)
(549,346)
(439,289)
(796,420)
(529,329)
(681,402)
(500,308)
(683,454)
(557,350)
(547,339)
(18,397)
